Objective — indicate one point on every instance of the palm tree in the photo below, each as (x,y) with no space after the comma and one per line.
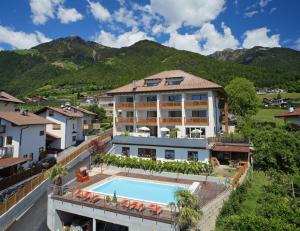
(56,173)
(173,132)
(189,209)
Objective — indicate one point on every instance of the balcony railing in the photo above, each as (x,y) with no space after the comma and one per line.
(124,105)
(6,151)
(145,105)
(2,128)
(147,121)
(171,120)
(170,104)
(197,121)
(196,104)
(124,120)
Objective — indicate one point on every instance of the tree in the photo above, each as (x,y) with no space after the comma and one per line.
(189,209)
(242,97)
(56,173)
(98,110)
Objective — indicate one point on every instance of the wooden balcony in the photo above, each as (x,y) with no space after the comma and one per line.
(147,121)
(170,104)
(145,105)
(124,120)
(124,105)
(196,121)
(171,121)
(196,104)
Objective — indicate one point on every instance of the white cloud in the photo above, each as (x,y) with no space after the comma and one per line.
(264,3)
(123,15)
(99,12)
(272,10)
(42,10)
(259,37)
(123,40)
(188,12)
(215,41)
(68,15)
(21,40)
(187,42)
(158,29)
(297,44)
(250,14)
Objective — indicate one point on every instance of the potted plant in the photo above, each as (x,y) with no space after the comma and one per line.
(114,199)
(107,200)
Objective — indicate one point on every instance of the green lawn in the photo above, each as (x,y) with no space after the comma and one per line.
(294,96)
(254,192)
(267,114)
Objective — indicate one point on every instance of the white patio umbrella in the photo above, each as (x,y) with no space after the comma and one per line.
(196,131)
(164,129)
(144,129)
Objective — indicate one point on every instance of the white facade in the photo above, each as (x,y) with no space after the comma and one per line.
(7,106)
(23,141)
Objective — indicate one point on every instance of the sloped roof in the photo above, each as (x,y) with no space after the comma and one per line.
(19,119)
(11,161)
(4,96)
(68,113)
(189,82)
(84,111)
(295,113)
(231,148)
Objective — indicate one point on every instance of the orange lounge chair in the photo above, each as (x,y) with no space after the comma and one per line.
(78,193)
(156,210)
(86,195)
(125,201)
(140,207)
(131,205)
(95,198)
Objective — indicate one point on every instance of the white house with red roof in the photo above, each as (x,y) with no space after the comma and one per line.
(291,116)
(8,102)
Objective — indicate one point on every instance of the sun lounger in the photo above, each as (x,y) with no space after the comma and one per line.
(78,193)
(155,209)
(131,205)
(86,195)
(95,198)
(140,207)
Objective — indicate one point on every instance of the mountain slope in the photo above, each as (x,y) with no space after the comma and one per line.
(75,65)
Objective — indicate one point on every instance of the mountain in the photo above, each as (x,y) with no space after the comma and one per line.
(280,59)
(70,65)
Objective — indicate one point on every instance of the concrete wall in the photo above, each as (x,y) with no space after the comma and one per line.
(54,221)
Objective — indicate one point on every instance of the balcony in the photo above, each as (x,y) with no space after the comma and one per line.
(171,121)
(124,105)
(196,104)
(145,105)
(147,121)
(170,104)
(6,151)
(2,128)
(124,120)
(196,121)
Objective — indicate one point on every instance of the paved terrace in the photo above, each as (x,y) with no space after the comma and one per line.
(206,193)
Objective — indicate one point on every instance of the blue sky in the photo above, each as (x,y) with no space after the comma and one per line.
(196,25)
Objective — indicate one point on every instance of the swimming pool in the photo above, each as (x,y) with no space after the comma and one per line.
(161,193)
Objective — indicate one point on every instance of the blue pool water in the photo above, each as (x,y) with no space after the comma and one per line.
(139,190)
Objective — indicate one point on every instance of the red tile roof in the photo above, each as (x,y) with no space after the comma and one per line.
(65,112)
(18,119)
(231,148)
(295,113)
(189,82)
(11,161)
(4,96)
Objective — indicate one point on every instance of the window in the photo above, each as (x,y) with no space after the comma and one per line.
(174,81)
(151,82)
(147,153)
(174,113)
(151,113)
(56,126)
(84,122)
(169,154)
(51,113)
(199,114)
(151,98)
(129,114)
(9,140)
(1,141)
(195,132)
(192,156)
(42,133)
(129,99)
(129,128)
(200,97)
(73,138)
(174,97)
(125,151)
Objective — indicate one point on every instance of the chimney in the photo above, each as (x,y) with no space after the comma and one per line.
(291,109)
(134,85)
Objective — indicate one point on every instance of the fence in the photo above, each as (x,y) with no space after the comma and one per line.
(32,184)
(239,174)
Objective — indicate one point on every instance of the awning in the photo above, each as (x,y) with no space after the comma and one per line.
(52,135)
(231,148)
(11,161)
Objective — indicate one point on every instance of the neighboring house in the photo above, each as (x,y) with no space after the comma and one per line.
(88,118)
(107,103)
(8,102)
(291,116)
(22,134)
(68,125)
(168,104)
